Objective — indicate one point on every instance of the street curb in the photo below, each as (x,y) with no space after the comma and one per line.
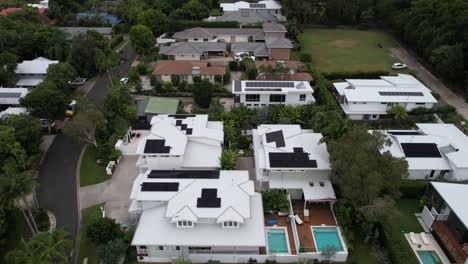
(77,175)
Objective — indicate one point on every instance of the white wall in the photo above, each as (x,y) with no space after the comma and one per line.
(422,174)
(458,174)
(291,99)
(356,111)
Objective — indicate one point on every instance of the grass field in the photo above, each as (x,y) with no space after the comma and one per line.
(407,220)
(337,50)
(90,172)
(87,248)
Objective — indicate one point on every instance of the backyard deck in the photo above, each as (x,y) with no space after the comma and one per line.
(455,250)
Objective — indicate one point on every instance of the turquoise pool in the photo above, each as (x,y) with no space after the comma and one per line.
(277,240)
(327,236)
(429,257)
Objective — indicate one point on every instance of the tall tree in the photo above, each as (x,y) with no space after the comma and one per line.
(228,160)
(142,39)
(154,19)
(398,111)
(27,130)
(7,68)
(60,74)
(45,101)
(203,93)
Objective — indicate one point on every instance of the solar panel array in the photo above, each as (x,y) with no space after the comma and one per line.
(296,159)
(160,187)
(156,146)
(421,150)
(401,93)
(183,174)
(209,199)
(183,127)
(237,86)
(276,137)
(10,95)
(270,84)
(256,5)
(263,89)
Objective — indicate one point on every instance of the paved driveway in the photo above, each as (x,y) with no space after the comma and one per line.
(431,81)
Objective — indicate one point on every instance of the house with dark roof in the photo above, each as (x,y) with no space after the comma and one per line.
(193,50)
(227,35)
(187,70)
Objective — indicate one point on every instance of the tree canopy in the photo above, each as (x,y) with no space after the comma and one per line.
(142,39)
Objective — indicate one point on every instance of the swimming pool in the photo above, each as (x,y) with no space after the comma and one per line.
(327,236)
(429,257)
(277,240)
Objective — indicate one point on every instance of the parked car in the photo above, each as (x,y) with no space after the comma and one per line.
(77,82)
(124,80)
(70,109)
(240,56)
(399,66)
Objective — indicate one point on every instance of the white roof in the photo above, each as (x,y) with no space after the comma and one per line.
(187,136)
(13,111)
(363,90)
(36,66)
(269,4)
(270,87)
(29,81)
(12,96)
(454,194)
(154,229)
(450,141)
(294,137)
(315,187)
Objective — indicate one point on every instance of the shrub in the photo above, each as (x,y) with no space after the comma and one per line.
(233,65)
(103,230)
(412,189)
(153,80)
(218,78)
(167,86)
(182,86)
(141,68)
(398,248)
(323,93)
(445,109)
(251,73)
(175,79)
(133,75)
(158,86)
(306,57)
(227,76)
(197,79)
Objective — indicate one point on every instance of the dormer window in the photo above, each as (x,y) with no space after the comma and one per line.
(230,224)
(185,224)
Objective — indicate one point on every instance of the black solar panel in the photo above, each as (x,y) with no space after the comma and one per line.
(421,150)
(402,133)
(180,116)
(296,159)
(188,131)
(160,187)
(178,122)
(183,174)
(237,86)
(270,84)
(256,5)
(401,93)
(10,95)
(209,199)
(276,137)
(156,146)
(263,89)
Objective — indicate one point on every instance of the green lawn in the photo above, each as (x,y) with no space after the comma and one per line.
(361,253)
(406,219)
(337,50)
(87,248)
(90,172)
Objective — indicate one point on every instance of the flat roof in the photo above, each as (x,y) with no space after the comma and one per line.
(37,66)
(160,105)
(236,6)
(453,194)
(12,96)
(270,87)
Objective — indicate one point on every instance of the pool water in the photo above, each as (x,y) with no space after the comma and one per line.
(327,236)
(429,257)
(277,242)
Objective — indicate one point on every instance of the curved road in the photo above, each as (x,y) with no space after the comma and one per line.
(57,189)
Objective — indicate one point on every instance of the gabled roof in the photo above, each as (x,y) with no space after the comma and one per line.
(209,33)
(171,67)
(278,43)
(273,27)
(37,66)
(12,96)
(192,48)
(196,32)
(259,49)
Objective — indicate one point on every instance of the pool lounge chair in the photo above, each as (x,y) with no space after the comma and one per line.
(413,238)
(298,220)
(424,239)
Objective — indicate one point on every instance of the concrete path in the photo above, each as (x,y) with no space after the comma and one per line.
(114,193)
(431,81)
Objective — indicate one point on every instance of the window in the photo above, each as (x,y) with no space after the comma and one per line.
(195,39)
(252,97)
(142,250)
(184,223)
(177,248)
(255,104)
(420,103)
(205,39)
(277,98)
(302,97)
(230,224)
(390,104)
(161,248)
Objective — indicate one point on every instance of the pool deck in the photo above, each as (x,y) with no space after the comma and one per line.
(432,246)
(282,222)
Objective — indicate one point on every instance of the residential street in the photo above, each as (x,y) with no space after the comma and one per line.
(57,189)
(432,82)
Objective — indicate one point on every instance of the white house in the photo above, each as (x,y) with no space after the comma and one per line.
(263,93)
(432,151)
(33,72)
(11,96)
(42,4)
(181,142)
(237,6)
(371,99)
(200,216)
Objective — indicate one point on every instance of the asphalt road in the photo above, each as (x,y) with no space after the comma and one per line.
(57,189)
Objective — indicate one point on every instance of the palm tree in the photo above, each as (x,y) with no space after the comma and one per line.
(398,111)
(228,160)
(44,248)
(18,191)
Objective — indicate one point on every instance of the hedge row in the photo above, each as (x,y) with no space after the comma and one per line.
(396,244)
(354,75)
(413,189)
(323,92)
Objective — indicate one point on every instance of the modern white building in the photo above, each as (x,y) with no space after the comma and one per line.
(197,215)
(42,4)
(237,6)
(432,151)
(371,99)
(260,93)
(33,72)
(181,142)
